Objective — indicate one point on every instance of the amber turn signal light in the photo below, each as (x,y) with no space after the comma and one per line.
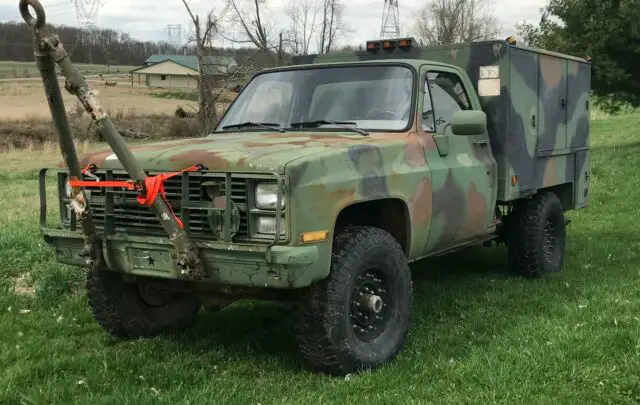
(316,236)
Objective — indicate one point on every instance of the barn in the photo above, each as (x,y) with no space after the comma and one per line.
(179,71)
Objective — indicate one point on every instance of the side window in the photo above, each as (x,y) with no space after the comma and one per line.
(428,122)
(448,96)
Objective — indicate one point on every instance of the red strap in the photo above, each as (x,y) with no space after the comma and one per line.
(102,184)
(154,185)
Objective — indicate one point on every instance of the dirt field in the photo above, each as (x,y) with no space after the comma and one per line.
(25,99)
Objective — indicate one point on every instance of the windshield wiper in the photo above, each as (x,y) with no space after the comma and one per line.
(269,125)
(342,124)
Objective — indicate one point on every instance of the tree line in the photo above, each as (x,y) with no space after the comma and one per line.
(102,46)
(106,46)
(606,31)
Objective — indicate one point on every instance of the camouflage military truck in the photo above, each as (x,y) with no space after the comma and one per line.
(325,178)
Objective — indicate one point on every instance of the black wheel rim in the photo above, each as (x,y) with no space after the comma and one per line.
(371,302)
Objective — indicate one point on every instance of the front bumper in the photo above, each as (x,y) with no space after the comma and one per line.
(225,262)
(234,265)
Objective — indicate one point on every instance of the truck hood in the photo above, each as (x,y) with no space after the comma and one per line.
(239,152)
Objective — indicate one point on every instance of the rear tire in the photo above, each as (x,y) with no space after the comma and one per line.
(536,236)
(343,327)
(130,310)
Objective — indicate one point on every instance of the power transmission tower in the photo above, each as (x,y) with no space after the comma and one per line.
(87,11)
(390,19)
(87,15)
(175,35)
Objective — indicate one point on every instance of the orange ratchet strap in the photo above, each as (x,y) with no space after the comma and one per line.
(153,185)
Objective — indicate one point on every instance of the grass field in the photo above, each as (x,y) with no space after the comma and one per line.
(11,69)
(479,335)
(177,95)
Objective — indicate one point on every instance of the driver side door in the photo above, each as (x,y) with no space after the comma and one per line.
(462,167)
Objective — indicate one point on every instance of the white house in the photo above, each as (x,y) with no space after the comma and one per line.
(179,71)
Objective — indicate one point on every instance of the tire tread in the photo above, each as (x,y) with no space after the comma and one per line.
(314,319)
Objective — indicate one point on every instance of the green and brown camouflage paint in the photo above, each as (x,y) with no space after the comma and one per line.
(538,123)
(448,185)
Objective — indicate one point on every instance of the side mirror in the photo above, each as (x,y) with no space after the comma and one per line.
(468,122)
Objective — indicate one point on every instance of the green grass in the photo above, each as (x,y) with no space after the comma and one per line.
(479,335)
(179,95)
(11,69)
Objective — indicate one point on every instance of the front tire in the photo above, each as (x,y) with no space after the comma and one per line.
(358,317)
(536,236)
(131,310)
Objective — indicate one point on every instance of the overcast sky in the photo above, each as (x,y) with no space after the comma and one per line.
(148,19)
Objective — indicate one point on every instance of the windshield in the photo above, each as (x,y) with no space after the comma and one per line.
(370,97)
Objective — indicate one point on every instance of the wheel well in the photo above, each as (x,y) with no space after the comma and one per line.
(388,214)
(564,193)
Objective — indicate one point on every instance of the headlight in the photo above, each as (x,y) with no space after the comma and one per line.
(267,195)
(267,225)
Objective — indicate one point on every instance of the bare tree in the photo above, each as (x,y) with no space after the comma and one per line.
(256,27)
(452,21)
(204,33)
(331,26)
(303,24)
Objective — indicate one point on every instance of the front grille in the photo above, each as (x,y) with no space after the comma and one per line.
(129,217)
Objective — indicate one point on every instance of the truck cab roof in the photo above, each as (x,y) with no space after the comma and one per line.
(349,61)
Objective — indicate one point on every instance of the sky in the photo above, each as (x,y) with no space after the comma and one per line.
(148,19)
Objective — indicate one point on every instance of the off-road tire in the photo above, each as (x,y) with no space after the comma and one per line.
(536,236)
(118,308)
(325,328)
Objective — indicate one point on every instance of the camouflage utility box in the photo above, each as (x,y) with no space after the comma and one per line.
(322,181)
(537,106)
